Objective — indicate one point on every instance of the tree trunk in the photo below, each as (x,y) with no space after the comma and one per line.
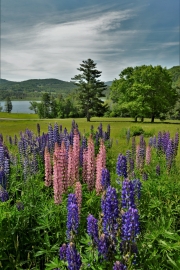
(135,119)
(142,119)
(152,118)
(88,116)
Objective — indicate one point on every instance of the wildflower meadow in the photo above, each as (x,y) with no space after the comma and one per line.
(67,202)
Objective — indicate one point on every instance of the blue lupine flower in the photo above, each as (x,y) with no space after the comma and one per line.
(159,141)
(110,210)
(62,252)
(137,188)
(3,179)
(72,217)
(105,178)
(92,228)
(127,194)
(73,257)
(103,246)
(119,266)
(121,166)
(4,196)
(130,225)
(145,176)
(56,134)
(170,151)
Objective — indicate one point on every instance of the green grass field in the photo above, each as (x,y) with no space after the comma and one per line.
(14,123)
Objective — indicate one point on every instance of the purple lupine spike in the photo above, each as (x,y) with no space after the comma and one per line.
(3,179)
(56,134)
(92,228)
(71,136)
(50,138)
(105,178)
(1,155)
(73,125)
(62,252)
(119,266)
(158,170)
(137,188)
(73,257)
(97,139)
(6,166)
(72,217)
(1,138)
(103,246)
(121,166)
(110,210)
(4,196)
(170,154)
(130,225)
(127,194)
(165,139)
(159,141)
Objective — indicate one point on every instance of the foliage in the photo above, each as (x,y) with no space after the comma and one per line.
(8,105)
(144,91)
(90,89)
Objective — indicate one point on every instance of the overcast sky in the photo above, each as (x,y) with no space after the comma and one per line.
(50,38)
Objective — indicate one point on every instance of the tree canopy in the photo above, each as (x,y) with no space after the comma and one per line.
(8,105)
(144,91)
(90,89)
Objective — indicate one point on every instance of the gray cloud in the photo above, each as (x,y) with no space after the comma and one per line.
(49,40)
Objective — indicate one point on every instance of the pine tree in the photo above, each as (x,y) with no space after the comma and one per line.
(90,89)
(8,105)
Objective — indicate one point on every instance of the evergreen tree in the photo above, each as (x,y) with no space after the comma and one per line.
(90,88)
(8,105)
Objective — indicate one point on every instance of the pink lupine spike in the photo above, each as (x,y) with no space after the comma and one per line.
(78,193)
(100,164)
(85,165)
(48,168)
(90,164)
(59,172)
(148,155)
(71,173)
(76,150)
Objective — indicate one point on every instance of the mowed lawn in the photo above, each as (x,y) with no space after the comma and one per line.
(13,123)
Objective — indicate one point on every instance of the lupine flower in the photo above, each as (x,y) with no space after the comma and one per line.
(130,225)
(76,148)
(19,206)
(50,138)
(103,246)
(4,196)
(62,252)
(127,194)
(148,154)
(137,188)
(92,228)
(110,210)
(90,164)
(84,173)
(108,131)
(154,142)
(105,178)
(159,141)
(72,216)
(3,179)
(121,166)
(170,154)
(73,257)
(158,170)
(119,266)
(164,140)
(78,193)
(100,163)
(56,134)
(100,133)
(71,168)
(48,168)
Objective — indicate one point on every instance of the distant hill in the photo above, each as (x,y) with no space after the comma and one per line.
(33,88)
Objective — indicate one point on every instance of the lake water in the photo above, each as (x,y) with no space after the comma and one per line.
(19,106)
